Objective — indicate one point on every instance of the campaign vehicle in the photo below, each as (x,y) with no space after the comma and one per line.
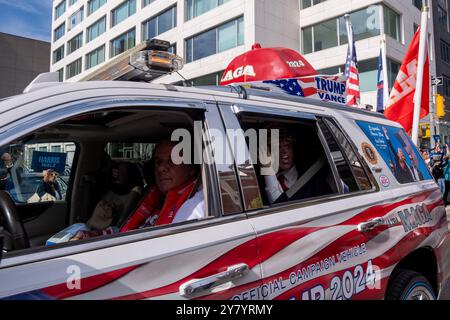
(372,227)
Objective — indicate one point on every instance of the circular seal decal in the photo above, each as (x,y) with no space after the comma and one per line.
(385,181)
(369,153)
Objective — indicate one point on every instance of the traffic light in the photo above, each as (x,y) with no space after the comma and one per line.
(424,131)
(440,106)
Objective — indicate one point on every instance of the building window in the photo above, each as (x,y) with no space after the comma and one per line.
(446,86)
(76,18)
(160,24)
(93,5)
(332,33)
(56,148)
(417,4)
(60,9)
(96,29)
(365,24)
(71,2)
(146,2)
(445,52)
(442,14)
(392,23)
(393,70)
(368,73)
(95,57)
(60,31)
(309,3)
(58,54)
(61,74)
(123,11)
(221,38)
(194,8)
(122,43)
(73,69)
(75,43)
(173,48)
(212,79)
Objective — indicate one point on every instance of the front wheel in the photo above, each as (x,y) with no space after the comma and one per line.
(409,285)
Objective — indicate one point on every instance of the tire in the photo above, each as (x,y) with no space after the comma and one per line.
(409,285)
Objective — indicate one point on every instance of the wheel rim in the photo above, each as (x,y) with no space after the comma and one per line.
(420,292)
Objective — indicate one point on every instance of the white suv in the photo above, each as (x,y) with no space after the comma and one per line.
(372,227)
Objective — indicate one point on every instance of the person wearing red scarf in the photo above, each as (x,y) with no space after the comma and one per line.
(176,197)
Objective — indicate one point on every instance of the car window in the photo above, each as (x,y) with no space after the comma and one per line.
(38,171)
(345,159)
(292,164)
(397,151)
(127,176)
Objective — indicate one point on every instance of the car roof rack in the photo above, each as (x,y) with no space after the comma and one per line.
(246,92)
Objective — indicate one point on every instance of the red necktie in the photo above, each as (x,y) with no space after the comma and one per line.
(282,180)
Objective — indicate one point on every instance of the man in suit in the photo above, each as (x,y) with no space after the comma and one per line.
(291,182)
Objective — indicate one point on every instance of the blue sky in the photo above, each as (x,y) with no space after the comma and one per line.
(27,18)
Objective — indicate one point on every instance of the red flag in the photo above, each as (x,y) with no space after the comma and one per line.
(400,107)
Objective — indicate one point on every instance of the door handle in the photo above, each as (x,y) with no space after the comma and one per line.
(370,225)
(196,286)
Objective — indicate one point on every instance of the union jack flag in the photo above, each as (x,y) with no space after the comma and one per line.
(351,71)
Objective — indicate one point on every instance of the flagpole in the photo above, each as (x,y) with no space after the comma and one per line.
(384,61)
(385,73)
(420,73)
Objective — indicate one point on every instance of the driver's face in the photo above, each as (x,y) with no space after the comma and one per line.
(168,175)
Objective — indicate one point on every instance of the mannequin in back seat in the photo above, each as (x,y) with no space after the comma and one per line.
(123,196)
(177,196)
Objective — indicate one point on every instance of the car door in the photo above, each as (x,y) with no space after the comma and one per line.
(324,247)
(214,258)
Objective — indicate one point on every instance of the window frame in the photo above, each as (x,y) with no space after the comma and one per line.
(81,42)
(216,29)
(88,11)
(361,160)
(57,113)
(79,14)
(235,109)
(96,24)
(61,26)
(67,75)
(58,14)
(172,9)
(113,13)
(54,55)
(96,50)
(111,47)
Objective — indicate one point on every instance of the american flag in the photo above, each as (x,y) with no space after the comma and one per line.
(304,87)
(351,71)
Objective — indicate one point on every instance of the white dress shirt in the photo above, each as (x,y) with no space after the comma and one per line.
(273,188)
